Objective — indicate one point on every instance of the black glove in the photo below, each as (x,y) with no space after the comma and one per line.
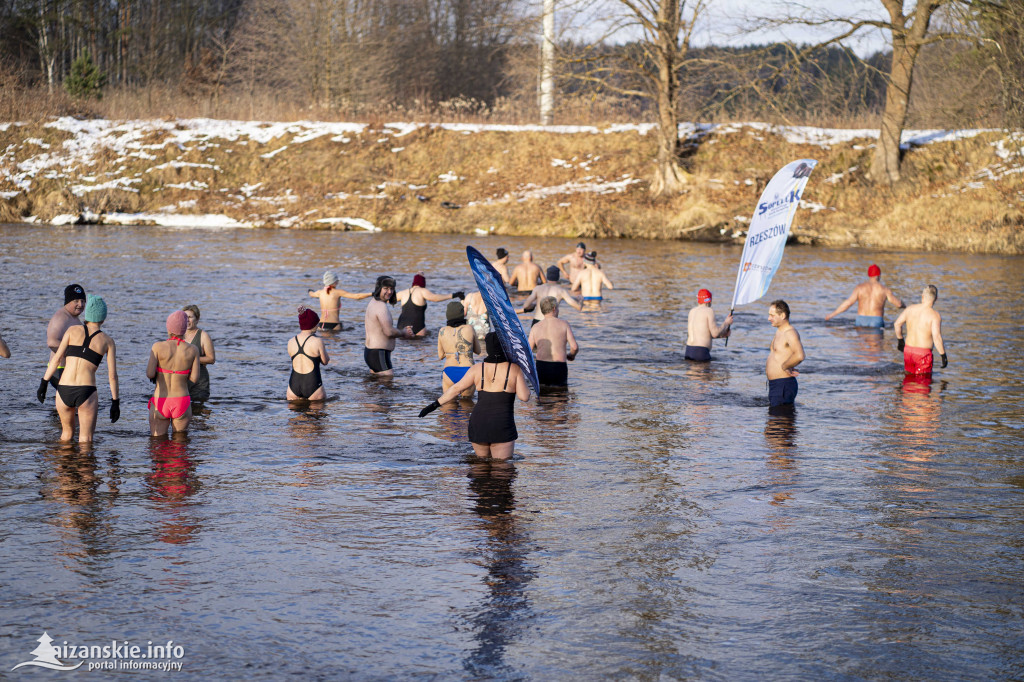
(41,393)
(461,295)
(944,360)
(429,408)
(900,344)
(529,309)
(115,410)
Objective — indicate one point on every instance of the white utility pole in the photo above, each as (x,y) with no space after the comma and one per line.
(547,66)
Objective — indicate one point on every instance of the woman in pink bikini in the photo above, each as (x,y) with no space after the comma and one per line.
(172,364)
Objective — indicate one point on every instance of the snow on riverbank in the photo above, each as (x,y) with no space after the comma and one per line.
(135,158)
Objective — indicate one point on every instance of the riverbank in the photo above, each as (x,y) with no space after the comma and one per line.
(963,190)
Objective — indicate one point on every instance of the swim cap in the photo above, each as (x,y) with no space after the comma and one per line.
(385,281)
(308,319)
(874,271)
(591,257)
(455,313)
(703,296)
(330,278)
(581,245)
(495,353)
(553,273)
(419,280)
(95,310)
(502,253)
(73,292)
(177,322)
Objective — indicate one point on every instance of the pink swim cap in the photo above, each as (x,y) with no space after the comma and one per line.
(874,271)
(308,319)
(177,322)
(703,296)
(419,281)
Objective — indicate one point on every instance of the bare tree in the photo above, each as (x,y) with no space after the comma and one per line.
(664,29)
(907,23)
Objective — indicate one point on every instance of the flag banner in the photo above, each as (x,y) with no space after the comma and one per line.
(503,316)
(769,230)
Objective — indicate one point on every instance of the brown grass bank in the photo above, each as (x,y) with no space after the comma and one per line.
(962,194)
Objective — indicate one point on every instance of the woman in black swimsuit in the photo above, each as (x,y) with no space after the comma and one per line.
(307,353)
(81,351)
(415,314)
(492,426)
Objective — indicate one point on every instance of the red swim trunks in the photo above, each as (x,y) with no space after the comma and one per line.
(171,408)
(917,360)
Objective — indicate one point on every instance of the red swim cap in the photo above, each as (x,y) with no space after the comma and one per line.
(874,271)
(703,296)
(419,281)
(308,319)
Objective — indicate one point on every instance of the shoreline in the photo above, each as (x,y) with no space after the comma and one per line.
(963,190)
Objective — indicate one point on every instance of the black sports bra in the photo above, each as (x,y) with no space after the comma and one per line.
(83,351)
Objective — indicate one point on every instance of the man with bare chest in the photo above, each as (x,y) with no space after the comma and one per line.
(924,329)
(870,297)
(701,328)
(380,330)
(62,320)
(785,353)
(526,275)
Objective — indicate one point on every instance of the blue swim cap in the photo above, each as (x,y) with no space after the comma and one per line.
(95,309)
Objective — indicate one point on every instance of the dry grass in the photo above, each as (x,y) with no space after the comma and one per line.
(935,208)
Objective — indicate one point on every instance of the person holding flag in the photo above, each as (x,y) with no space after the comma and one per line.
(702,329)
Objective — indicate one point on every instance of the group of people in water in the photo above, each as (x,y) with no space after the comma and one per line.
(177,367)
(178,364)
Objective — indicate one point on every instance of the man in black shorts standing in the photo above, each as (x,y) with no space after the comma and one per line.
(380,328)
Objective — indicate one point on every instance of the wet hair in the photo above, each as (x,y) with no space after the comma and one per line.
(502,253)
(495,353)
(932,291)
(547,304)
(192,308)
(780,307)
(385,281)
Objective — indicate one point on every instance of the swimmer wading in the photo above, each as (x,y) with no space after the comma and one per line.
(769,231)
(503,317)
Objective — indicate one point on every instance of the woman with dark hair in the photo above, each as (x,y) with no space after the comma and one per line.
(492,425)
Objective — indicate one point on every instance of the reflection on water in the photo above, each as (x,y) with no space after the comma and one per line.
(657,522)
(172,481)
(504,610)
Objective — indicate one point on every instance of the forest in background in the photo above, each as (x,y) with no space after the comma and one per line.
(457,60)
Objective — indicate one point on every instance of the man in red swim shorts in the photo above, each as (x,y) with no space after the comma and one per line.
(924,329)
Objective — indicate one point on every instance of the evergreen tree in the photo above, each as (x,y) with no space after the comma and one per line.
(85,79)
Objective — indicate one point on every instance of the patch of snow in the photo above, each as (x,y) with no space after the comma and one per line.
(117,183)
(37,142)
(395,150)
(450,176)
(270,155)
(190,185)
(64,219)
(814,207)
(351,222)
(9,195)
(202,221)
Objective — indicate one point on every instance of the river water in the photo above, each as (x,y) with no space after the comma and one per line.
(656,522)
